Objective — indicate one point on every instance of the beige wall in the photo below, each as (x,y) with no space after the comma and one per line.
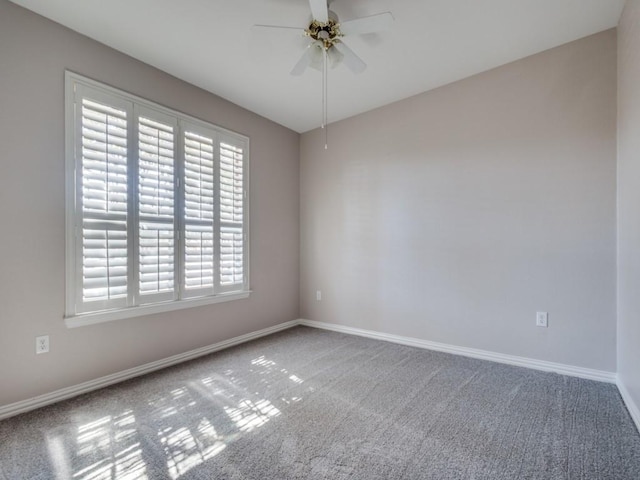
(629,201)
(34,53)
(455,215)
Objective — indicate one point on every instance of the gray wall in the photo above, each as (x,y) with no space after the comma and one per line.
(629,200)
(34,53)
(455,215)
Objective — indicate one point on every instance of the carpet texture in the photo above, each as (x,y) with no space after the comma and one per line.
(311,404)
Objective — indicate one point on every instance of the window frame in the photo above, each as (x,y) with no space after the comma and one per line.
(133,307)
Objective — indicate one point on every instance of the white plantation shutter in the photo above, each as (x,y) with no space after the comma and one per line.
(199,249)
(102,148)
(231,200)
(156,206)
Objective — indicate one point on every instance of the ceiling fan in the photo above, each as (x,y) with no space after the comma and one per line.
(326,32)
(327,46)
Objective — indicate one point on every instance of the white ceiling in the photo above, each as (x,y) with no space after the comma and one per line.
(210,43)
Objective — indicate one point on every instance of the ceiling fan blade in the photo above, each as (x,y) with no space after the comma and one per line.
(335,57)
(319,10)
(278,27)
(302,64)
(350,59)
(371,24)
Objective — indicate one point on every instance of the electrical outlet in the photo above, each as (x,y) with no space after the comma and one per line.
(318,295)
(542,319)
(42,344)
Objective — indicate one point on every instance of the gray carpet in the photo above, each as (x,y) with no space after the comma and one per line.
(310,404)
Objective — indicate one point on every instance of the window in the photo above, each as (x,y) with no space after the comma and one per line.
(156,207)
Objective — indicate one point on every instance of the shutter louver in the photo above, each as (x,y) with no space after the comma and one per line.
(156,209)
(232,243)
(198,207)
(104,202)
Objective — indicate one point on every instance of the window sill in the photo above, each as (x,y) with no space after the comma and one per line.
(93,318)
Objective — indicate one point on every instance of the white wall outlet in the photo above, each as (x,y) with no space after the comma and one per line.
(42,344)
(318,295)
(542,319)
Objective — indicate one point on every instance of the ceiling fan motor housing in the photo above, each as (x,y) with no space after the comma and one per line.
(328,33)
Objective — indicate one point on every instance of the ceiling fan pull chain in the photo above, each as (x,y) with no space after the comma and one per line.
(325,95)
(324,90)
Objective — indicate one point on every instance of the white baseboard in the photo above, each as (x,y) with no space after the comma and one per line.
(599,375)
(63,394)
(633,408)
(73,391)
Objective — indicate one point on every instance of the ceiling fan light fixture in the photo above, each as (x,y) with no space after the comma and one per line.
(317,55)
(334,57)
